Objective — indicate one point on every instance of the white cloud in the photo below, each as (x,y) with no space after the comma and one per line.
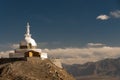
(103,17)
(112,14)
(82,55)
(14,46)
(95,44)
(95,51)
(115,14)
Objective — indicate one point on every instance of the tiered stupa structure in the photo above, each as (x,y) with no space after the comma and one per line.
(28,47)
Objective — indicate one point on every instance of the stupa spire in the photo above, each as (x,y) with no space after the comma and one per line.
(28,30)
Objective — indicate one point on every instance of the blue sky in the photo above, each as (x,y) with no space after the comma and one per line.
(61,23)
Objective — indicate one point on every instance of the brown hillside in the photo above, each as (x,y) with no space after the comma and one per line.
(33,69)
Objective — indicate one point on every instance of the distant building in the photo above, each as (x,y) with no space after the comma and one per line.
(28,48)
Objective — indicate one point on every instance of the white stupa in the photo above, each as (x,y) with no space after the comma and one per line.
(28,47)
(28,42)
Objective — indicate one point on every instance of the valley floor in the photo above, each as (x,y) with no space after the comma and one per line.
(97,78)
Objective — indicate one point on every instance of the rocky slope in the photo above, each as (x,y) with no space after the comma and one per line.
(33,69)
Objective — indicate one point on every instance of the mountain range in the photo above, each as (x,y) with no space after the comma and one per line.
(107,69)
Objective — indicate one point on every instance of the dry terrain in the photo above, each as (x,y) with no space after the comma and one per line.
(107,69)
(33,69)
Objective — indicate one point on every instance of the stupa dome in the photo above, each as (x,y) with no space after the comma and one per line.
(31,41)
(28,42)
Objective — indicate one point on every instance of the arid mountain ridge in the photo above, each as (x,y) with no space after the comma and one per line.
(106,67)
